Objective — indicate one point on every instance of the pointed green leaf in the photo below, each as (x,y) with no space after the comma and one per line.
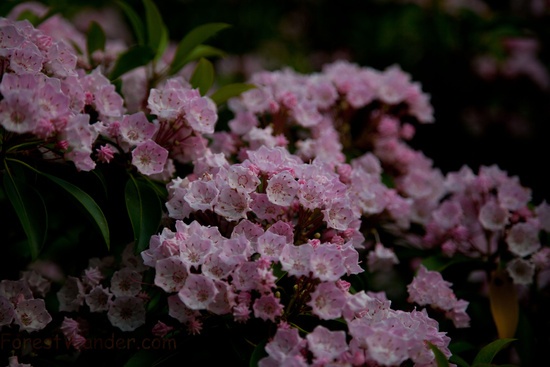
(135,22)
(440,358)
(143,358)
(31,210)
(30,16)
(229,91)
(156,29)
(458,361)
(488,352)
(134,57)
(95,39)
(191,41)
(258,353)
(203,76)
(87,202)
(203,51)
(144,210)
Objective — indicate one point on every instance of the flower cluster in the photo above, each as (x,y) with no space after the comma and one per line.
(280,220)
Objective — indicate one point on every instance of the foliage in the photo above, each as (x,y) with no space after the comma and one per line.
(154,212)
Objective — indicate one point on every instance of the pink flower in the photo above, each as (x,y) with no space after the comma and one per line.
(270,245)
(327,301)
(194,250)
(267,307)
(71,331)
(201,195)
(523,239)
(429,288)
(161,329)
(136,129)
(286,342)
(170,274)
(71,295)
(242,178)
(201,114)
(126,282)
(178,310)
(295,259)
(149,157)
(327,263)
(7,312)
(17,113)
(326,344)
(127,313)
(282,188)
(521,271)
(197,292)
(99,299)
(232,204)
(31,315)
(15,290)
(105,153)
(382,258)
(493,216)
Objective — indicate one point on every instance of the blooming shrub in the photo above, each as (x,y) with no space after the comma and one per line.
(303,230)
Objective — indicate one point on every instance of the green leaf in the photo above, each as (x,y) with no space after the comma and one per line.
(134,57)
(95,39)
(229,91)
(203,76)
(144,210)
(440,262)
(191,41)
(156,29)
(458,361)
(30,16)
(258,353)
(31,210)
(135,22)
(203,51)
(488,352)
(143,358)
(87,202)
(440,358)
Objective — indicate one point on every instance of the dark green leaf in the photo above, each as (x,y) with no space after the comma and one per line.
(197,53)
(203,51)
(135,22)
(440,262)
(30,16)
(135,57)
(258,353)
(143,358)
(191,41)
(461,346)
(203,76)
(156,29)
(229,91)
(458,361)
(87,202)
(95,38)
(440,358)
(488,352)
(154,301)
(144,211)
(30,209)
